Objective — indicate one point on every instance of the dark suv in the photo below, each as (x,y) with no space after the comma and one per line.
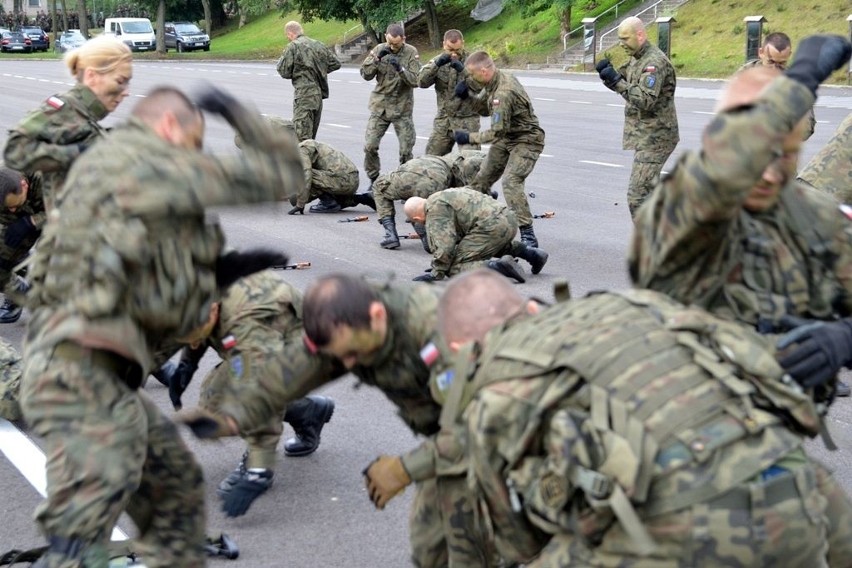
(41,41)
(185,36)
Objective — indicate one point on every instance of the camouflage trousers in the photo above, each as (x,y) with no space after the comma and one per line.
(517,160)
(342,185)
(11,257)
(307,112)
(441,140)
(476,248)
(443,527)
(110,450)
(377,125)
(778,522)
(10,382)
(644,176)
(402,185)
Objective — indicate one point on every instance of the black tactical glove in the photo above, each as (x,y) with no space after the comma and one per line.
(18,231)
(461,90)
(215,100)
(602,64)
(457,65)
(461,136)
(424,278)
(817,57)
(238,500)
(205,424)
(814,351)
(384,51)
(179,380)
(393,61)
(234,265)
(296,211)
(608,74)
(442,59)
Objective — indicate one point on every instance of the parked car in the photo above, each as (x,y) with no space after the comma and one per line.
(185,36)
(70,39)
(41,41)
(15,41)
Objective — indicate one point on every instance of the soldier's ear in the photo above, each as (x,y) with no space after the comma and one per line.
(533,307)
(378,316)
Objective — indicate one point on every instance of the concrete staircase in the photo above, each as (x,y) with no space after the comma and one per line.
(353,49)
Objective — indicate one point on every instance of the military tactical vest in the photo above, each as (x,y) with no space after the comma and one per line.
(644,404)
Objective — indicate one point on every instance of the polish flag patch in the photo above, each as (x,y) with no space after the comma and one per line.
(429,354)
(846,210)
(55,102)
(650,69)
(229,342)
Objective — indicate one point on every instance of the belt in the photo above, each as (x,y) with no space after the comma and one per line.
(127,371)
(778,488)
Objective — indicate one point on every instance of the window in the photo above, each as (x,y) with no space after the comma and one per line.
(34,3)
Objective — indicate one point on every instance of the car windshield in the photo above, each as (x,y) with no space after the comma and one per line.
(73,35)
(187,28)
(136,27)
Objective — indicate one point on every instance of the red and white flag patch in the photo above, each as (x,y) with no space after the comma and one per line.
(55,102)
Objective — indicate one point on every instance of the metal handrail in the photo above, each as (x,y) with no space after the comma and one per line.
(611,8)
(352,29)
(603,35)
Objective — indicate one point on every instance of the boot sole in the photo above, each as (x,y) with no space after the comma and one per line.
(325,420)
(390,247)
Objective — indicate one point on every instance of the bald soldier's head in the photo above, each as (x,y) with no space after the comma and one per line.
(172,116)
(632,35)
(744,89)
(415,209)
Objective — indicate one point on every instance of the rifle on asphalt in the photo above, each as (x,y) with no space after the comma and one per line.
(354,219)
(295,266)
(545,215)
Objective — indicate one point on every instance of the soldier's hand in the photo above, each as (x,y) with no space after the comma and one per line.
(424,278)
(461,136)
(393,61)
(386,478)
(602,64)
(442,59)
(179,380)
(296,211)
(461,90)
(384,51)
(234,265)
(609,76)
(18,231)
(457,65)
(206,425)
(815,351)
(215,100)
(817,57)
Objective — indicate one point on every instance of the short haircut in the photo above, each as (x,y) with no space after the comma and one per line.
(101,54)
(479,60)
(395,30)
(294,27)
(453,36)
(778,40)
(335,300)
(164,99)
(745,86)
(473,303)
(10,184)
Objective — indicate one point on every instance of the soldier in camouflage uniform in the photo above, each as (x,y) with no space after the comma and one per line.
(775,52)
(52,137)
(130,260)
(307,62)
(382,334)
(21,219)
(515,136)
(731,231)
(830,170)
(446,71)
(10,381)
(639,433)
(647,83)
(394,65)
(466,229)
(421,177)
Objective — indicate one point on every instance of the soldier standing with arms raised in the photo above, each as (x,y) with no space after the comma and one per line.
(647,83)
(307,62)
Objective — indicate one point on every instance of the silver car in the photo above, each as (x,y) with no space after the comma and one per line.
(69,40)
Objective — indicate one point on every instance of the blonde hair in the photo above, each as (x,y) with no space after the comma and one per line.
(101,54)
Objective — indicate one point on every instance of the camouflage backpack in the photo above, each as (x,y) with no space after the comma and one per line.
(10,382)
(615,408)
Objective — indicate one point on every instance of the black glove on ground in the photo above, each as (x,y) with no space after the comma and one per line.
(815,351)
(296,210)
(457,65)
(179,380)
(424,278)
(817,57)
(461,136)
(393,61)
(442,59)
(461,90)
(384,51)
(18,231)
(217,101)
(234,265)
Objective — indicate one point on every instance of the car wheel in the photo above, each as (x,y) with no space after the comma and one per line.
(180,48)
(206,48)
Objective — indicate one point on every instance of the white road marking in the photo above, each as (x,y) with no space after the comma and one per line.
(546,155)
(614,105)
(333,125)
(703,112)
(580,102)
(543,99)
(605,164)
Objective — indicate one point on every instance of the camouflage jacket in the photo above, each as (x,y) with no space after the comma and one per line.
(511,111)
(830,170)
(650,120)
(307,62)
(426,174)
(393,95)
(397,370)
(128,258)
(10,381)
(695,241)
(627,399)
(810,117)
(445,79)
(33,207)
(322,157)
(50,138)
(454,213)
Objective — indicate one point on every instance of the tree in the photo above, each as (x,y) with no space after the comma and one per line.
(208,16)
(432,23)
(83,17)
(373,15)
(561,7)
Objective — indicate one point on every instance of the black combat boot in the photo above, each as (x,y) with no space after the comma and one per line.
(365,199)
(307,416)
(242,486)
(842,389)
(536,257)
(10,312)
(327,204)
(164,373)
(391,240)
(528,236)
(507,266)
(420,229)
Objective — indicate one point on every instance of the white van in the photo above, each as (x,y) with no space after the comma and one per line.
(137,33)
